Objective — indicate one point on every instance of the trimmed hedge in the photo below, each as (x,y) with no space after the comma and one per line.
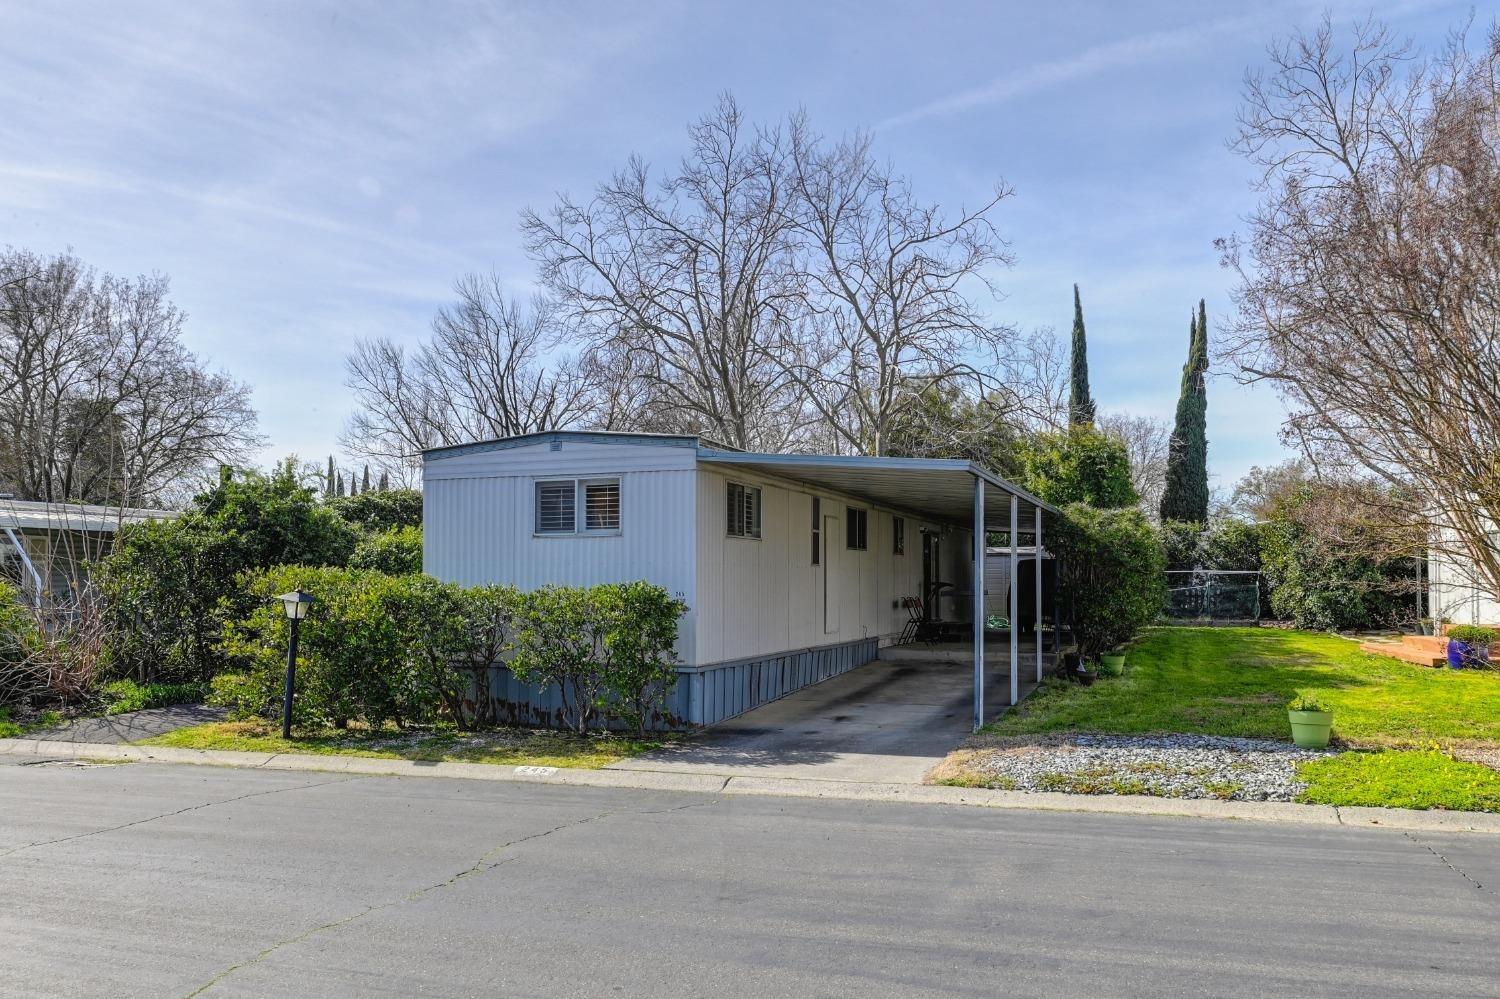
(1111,575)
(397,552)
(409,649)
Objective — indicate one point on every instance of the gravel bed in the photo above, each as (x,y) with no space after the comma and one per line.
(1170,766)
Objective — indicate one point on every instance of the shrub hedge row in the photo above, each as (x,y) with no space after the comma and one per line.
(408,649)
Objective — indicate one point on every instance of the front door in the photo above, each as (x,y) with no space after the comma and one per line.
(830,576)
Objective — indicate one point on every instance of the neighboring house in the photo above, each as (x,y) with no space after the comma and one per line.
(794,567)
(1456,592)
(45,548)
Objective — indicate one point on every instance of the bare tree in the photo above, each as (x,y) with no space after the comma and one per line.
(99,399)
(492,368)
(687,280)
(1370,273)
(888,281)
(1147,441)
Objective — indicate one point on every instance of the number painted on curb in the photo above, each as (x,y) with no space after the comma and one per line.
(536,771)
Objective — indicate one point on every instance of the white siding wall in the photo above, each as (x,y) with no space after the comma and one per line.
(478,519)
(1455,593)
(763,597)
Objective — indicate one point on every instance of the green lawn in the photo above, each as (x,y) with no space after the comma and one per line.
(1236,682)
(515,747)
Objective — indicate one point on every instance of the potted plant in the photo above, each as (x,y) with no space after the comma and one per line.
(1469,646)
(1312,722)
(1113,662)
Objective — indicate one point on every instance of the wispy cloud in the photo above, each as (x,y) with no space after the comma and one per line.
(1028,80)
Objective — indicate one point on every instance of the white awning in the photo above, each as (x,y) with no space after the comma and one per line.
(29,515)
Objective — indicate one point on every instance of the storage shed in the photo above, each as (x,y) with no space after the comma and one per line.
(794,567)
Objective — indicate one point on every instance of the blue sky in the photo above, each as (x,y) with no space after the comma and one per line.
(311,173)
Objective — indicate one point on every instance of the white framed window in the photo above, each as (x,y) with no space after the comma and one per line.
(601,504)
(743,511)
(578,506)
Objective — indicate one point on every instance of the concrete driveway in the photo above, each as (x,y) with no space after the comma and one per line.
(891,720)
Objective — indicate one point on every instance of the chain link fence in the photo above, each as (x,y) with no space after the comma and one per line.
(1213,595)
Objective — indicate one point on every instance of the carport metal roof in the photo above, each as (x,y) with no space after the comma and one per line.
(961,492)
(939,488)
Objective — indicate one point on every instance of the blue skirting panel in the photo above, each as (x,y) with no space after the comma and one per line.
(703,695)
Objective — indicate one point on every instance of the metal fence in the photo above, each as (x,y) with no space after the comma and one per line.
(1213,595)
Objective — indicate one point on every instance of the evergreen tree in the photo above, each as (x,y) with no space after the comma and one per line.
(1185,497)
(1080,403)
(338,484)
(364,483)
(328,480)
(385,481)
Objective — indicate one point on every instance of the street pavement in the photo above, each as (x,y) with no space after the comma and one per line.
(146,879)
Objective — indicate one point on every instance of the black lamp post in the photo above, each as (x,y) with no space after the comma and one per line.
(296,604)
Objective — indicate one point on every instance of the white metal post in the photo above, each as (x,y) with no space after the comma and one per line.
(1038,547)
(979,557)
(1015,589)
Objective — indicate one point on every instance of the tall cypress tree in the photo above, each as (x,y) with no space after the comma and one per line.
(364,483)
(1186,494)
(1080,403)
(328,480)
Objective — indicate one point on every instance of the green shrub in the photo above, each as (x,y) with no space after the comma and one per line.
(1078,465)
(397,552)
(559,640)
(1472,634)
(354,658)
(1320,586)
(1110,574)
(170,585)
(120,696)
(1179,539)
(18,640)
(1305,702)
(379,512)
(244,694)
(640,632)
(411,649)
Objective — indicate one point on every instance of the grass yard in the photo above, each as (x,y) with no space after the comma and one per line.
(1237,681)
(513,747)
(13,729)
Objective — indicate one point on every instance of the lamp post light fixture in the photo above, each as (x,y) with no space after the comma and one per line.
(296,604)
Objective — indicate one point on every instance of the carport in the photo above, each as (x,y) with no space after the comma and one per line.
(963,495)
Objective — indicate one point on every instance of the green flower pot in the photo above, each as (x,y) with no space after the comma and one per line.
(1310,729)
(1113,661)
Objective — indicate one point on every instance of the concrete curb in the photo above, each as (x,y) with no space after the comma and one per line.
(785,787)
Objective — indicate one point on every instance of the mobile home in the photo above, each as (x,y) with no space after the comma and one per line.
(794,567)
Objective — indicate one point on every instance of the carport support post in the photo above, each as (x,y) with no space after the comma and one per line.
(1015,593)
(978,588)
(1038,548)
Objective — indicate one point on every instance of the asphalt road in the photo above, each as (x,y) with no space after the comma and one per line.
(154,880)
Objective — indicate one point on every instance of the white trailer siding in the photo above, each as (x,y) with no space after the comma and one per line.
(1455,592)
(478,516)
(764,597)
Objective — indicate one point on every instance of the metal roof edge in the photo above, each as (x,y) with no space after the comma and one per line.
(867,461)
(522,440)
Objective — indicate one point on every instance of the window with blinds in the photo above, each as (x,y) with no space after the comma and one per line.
(744,511)
(558,503)
(857,533)
(555,507)
(601,506)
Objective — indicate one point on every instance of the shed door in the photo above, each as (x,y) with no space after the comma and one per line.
(830,576)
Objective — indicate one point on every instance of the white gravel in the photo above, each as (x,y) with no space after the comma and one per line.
(1171,766)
